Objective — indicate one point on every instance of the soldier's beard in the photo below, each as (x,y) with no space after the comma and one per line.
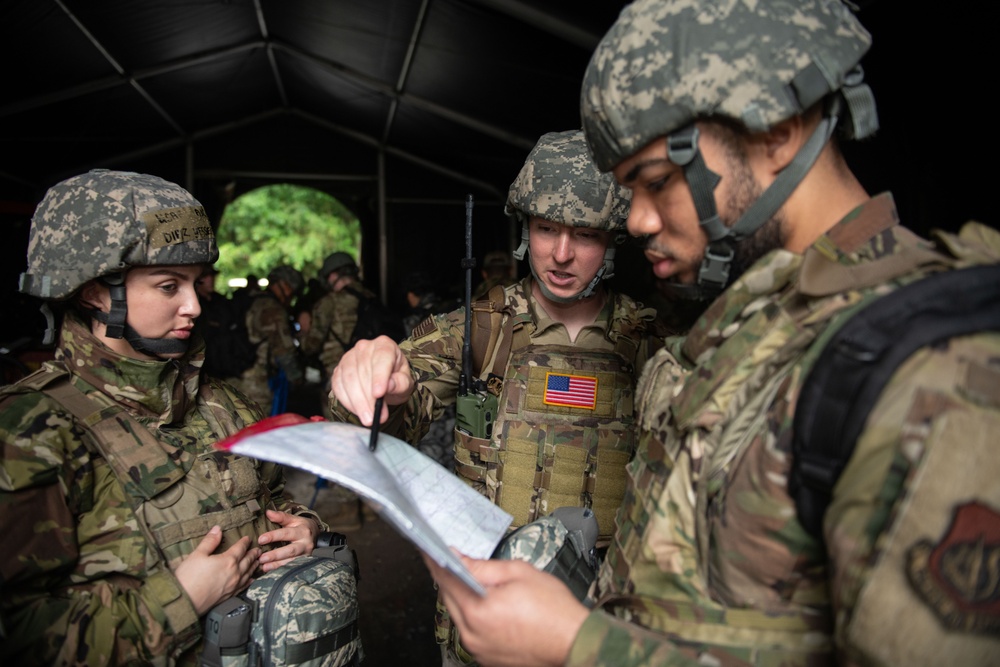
(746,190)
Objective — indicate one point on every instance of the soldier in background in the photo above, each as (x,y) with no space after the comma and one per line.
(269,326)
(335,314)
(332,322)
(561,322)
(720,118)
(422,296)
(497,269)
(215,312)
(424,299)
(82,497)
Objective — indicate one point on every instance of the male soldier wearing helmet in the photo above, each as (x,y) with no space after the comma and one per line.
(335,314)
(269,327)
(123,524)
(331,324)
(498,269)
(548,448)
(719,117)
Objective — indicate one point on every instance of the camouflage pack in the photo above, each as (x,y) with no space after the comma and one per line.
(562,544)
(305,613)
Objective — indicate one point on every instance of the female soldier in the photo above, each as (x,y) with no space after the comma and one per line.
(124,524)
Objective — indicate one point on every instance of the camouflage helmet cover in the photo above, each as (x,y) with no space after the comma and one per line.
(560,182)
(290,275)
(663,65)
(104,222)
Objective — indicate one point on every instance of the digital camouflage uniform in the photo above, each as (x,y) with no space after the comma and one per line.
(268,325)
(709,558)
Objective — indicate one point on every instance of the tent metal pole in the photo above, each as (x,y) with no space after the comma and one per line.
(383,237)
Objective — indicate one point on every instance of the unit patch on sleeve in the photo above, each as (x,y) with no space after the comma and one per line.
(575,391)
(959,577)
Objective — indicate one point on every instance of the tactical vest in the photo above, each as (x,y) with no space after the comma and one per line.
(565,427)
(167,499)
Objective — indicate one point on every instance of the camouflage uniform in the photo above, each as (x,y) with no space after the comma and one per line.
(333,320)
(109,477)
(484,287)
(434,351)
(268,325)
(709,562)
(84,586)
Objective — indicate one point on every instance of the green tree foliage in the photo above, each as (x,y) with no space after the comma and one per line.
(282,224)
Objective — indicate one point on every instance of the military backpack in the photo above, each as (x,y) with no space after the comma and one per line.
(857,362)
(305,613)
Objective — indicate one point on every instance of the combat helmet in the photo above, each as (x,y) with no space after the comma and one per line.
(559,182)
(340,262)
(663,65)
(100,224)
(288,274)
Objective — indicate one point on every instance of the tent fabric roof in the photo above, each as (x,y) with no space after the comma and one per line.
(453,90)
(400,108)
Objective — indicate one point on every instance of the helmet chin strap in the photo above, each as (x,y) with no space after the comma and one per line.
(117,327)
(682,150)
(607,270)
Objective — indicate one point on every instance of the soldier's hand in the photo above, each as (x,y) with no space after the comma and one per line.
(372,369)
(209,579)
(299,532)
(527,617)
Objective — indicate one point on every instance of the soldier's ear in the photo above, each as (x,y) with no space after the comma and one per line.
(783,141)
(94,295)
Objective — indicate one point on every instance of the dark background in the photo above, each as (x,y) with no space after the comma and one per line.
(442,98)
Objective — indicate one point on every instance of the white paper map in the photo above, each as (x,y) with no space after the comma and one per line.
(426,502)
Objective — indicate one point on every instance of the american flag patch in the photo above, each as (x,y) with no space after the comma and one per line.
(575,391)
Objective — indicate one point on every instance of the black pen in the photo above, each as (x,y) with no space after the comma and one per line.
(375,420)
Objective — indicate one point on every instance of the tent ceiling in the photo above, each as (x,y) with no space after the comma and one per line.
(400,107)
(460,89)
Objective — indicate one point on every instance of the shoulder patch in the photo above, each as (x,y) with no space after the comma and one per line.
(425,328)
(959,576)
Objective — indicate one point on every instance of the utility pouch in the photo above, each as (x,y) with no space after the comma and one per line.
(227,634)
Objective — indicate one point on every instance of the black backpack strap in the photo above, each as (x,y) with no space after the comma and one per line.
(858,361)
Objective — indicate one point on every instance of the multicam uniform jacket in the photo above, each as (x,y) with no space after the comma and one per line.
(269,325)
(434,351)
(81,583)
(710,565)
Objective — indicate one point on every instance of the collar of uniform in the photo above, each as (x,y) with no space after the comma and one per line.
(543,322)
(868,247)
(156,392)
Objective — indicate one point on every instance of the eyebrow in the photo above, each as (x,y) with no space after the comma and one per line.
(633,173)
(173,273)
